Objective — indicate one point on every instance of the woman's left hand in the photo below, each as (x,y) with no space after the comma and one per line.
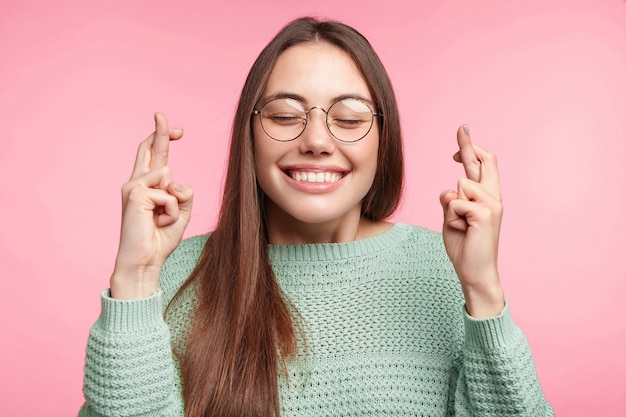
(471,228)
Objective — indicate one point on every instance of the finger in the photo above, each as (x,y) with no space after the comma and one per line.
(153,200)
(467,155)
(164,205)
(169,213)
(473,213)
(159,179)
(144,151)
(142,160)
(450,217)
(184,195)
(480,165)
(469,190)
(176,133)
(470,204)
(477,149)
(447,196)
(489,172)
(160,147)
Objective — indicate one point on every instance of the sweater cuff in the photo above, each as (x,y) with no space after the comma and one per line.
(131,316)
(490,333)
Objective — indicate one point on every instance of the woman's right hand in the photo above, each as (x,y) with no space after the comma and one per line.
(155,213)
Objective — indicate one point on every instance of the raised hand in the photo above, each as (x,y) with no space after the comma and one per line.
(471,228)
(155,212)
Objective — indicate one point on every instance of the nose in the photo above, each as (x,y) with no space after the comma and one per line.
(316,137)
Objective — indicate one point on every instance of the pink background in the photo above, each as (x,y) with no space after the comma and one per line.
(541,83)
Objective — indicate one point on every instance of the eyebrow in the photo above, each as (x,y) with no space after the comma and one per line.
(298,97)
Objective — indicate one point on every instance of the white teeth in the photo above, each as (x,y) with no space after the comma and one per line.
(316,176)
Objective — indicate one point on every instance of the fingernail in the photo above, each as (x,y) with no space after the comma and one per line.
(178,187)
(466,129)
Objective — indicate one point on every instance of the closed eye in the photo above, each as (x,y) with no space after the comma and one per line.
(348,123)
(285,119)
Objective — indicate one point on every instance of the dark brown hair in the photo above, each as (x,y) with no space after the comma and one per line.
(241,329)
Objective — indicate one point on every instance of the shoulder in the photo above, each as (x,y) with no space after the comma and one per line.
(433,277)
(423,251)
(421,239)
(180,264)
(418,230)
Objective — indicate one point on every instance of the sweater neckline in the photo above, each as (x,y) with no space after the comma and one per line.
(335,251)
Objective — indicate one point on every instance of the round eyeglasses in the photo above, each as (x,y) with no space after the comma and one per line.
(348,119)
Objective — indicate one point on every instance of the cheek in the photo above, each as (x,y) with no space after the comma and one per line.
(371,159)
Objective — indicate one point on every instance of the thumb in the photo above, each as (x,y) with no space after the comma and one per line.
(184,195)
(451,217)
(445,198)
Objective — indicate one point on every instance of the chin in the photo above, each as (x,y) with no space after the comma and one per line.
(315,218)
(318,215)
(311,212)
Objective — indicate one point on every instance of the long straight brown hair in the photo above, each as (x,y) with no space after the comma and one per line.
(242,330)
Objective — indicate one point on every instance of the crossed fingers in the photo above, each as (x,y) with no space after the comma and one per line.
(154,150)
(480,165)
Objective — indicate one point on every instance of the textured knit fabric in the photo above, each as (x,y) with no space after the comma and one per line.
(385,327)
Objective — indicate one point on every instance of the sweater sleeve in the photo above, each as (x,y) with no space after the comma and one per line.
(498,376)
(129,368)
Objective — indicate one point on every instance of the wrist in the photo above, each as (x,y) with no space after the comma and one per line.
(134,283)
(484,301)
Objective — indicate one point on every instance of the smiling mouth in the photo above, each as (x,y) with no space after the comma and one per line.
(315,176)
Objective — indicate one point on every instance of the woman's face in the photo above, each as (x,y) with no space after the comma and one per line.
(315,179)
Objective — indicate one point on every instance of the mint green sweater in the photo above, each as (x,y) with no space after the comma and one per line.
(385,327)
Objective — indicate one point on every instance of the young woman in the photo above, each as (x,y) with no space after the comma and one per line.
(304,301)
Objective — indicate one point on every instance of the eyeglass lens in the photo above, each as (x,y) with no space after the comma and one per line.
(285,119)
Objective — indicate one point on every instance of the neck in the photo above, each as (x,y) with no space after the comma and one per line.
(286,229)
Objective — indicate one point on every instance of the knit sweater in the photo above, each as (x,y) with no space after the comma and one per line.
(385,327)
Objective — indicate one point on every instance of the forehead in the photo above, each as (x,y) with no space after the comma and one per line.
(317,71)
